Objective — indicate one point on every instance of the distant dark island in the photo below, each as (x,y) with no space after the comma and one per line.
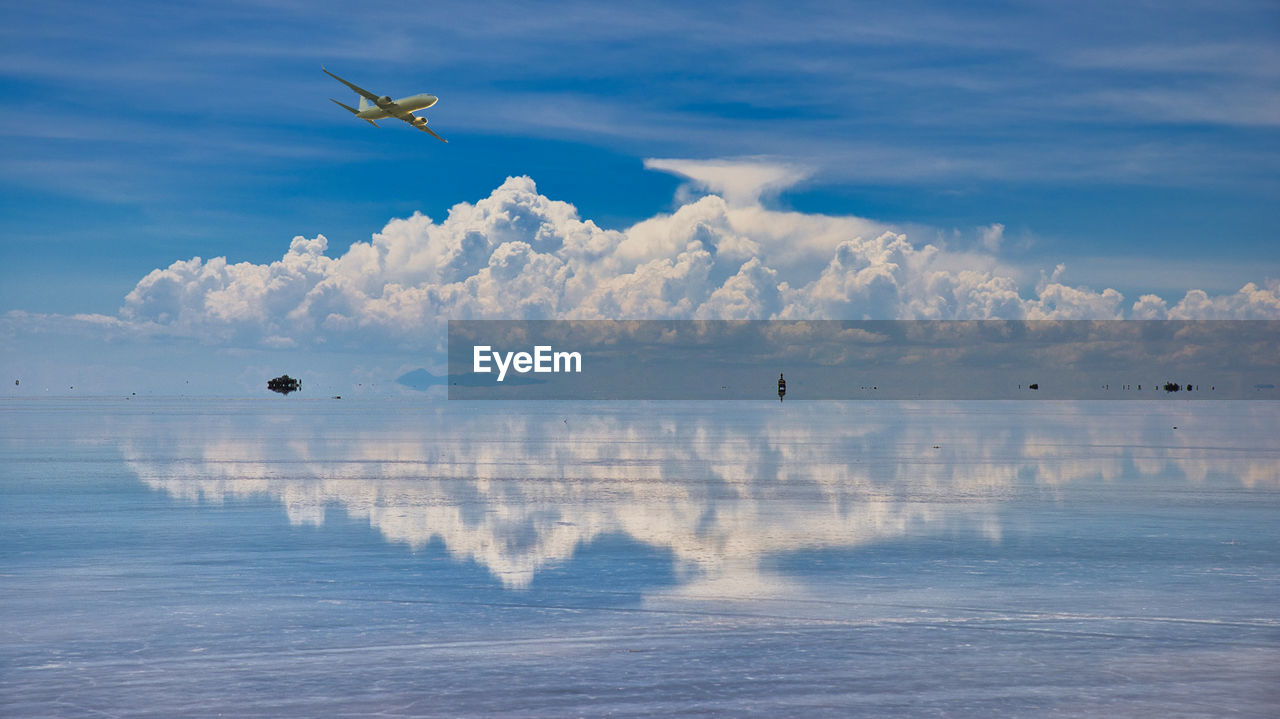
(284,384)
(420,380)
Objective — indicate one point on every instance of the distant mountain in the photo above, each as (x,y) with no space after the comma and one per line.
(420,379)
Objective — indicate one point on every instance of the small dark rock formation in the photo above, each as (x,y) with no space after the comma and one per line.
(1034,385)
(1172,387)
(284,384)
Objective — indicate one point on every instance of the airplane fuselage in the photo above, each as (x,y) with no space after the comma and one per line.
(377,107)
(397,108)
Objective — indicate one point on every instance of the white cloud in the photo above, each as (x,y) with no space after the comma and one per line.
(519,254)
(740,182)
(991,236)
(1150,307)
(1250,303)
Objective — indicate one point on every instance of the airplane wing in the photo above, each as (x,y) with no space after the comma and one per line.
(424,128)
(358,90)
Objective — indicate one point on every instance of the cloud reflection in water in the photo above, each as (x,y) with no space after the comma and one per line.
(723,489)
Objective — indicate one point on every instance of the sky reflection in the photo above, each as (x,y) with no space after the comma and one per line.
(726,490)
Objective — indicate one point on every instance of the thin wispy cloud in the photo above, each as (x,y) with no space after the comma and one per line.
(891,77)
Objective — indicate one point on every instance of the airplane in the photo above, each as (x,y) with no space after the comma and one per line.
(375,107)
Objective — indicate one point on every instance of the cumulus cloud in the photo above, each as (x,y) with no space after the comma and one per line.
(519,254)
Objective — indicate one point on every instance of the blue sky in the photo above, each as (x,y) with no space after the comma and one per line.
(1135,143)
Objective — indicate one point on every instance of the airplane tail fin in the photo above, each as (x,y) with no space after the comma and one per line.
(364,103)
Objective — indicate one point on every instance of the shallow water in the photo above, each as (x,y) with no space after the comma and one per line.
(337,558)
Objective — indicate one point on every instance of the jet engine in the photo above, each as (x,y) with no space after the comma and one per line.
(384,100)
(419,121)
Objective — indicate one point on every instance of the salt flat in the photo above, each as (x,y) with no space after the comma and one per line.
(294,557)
